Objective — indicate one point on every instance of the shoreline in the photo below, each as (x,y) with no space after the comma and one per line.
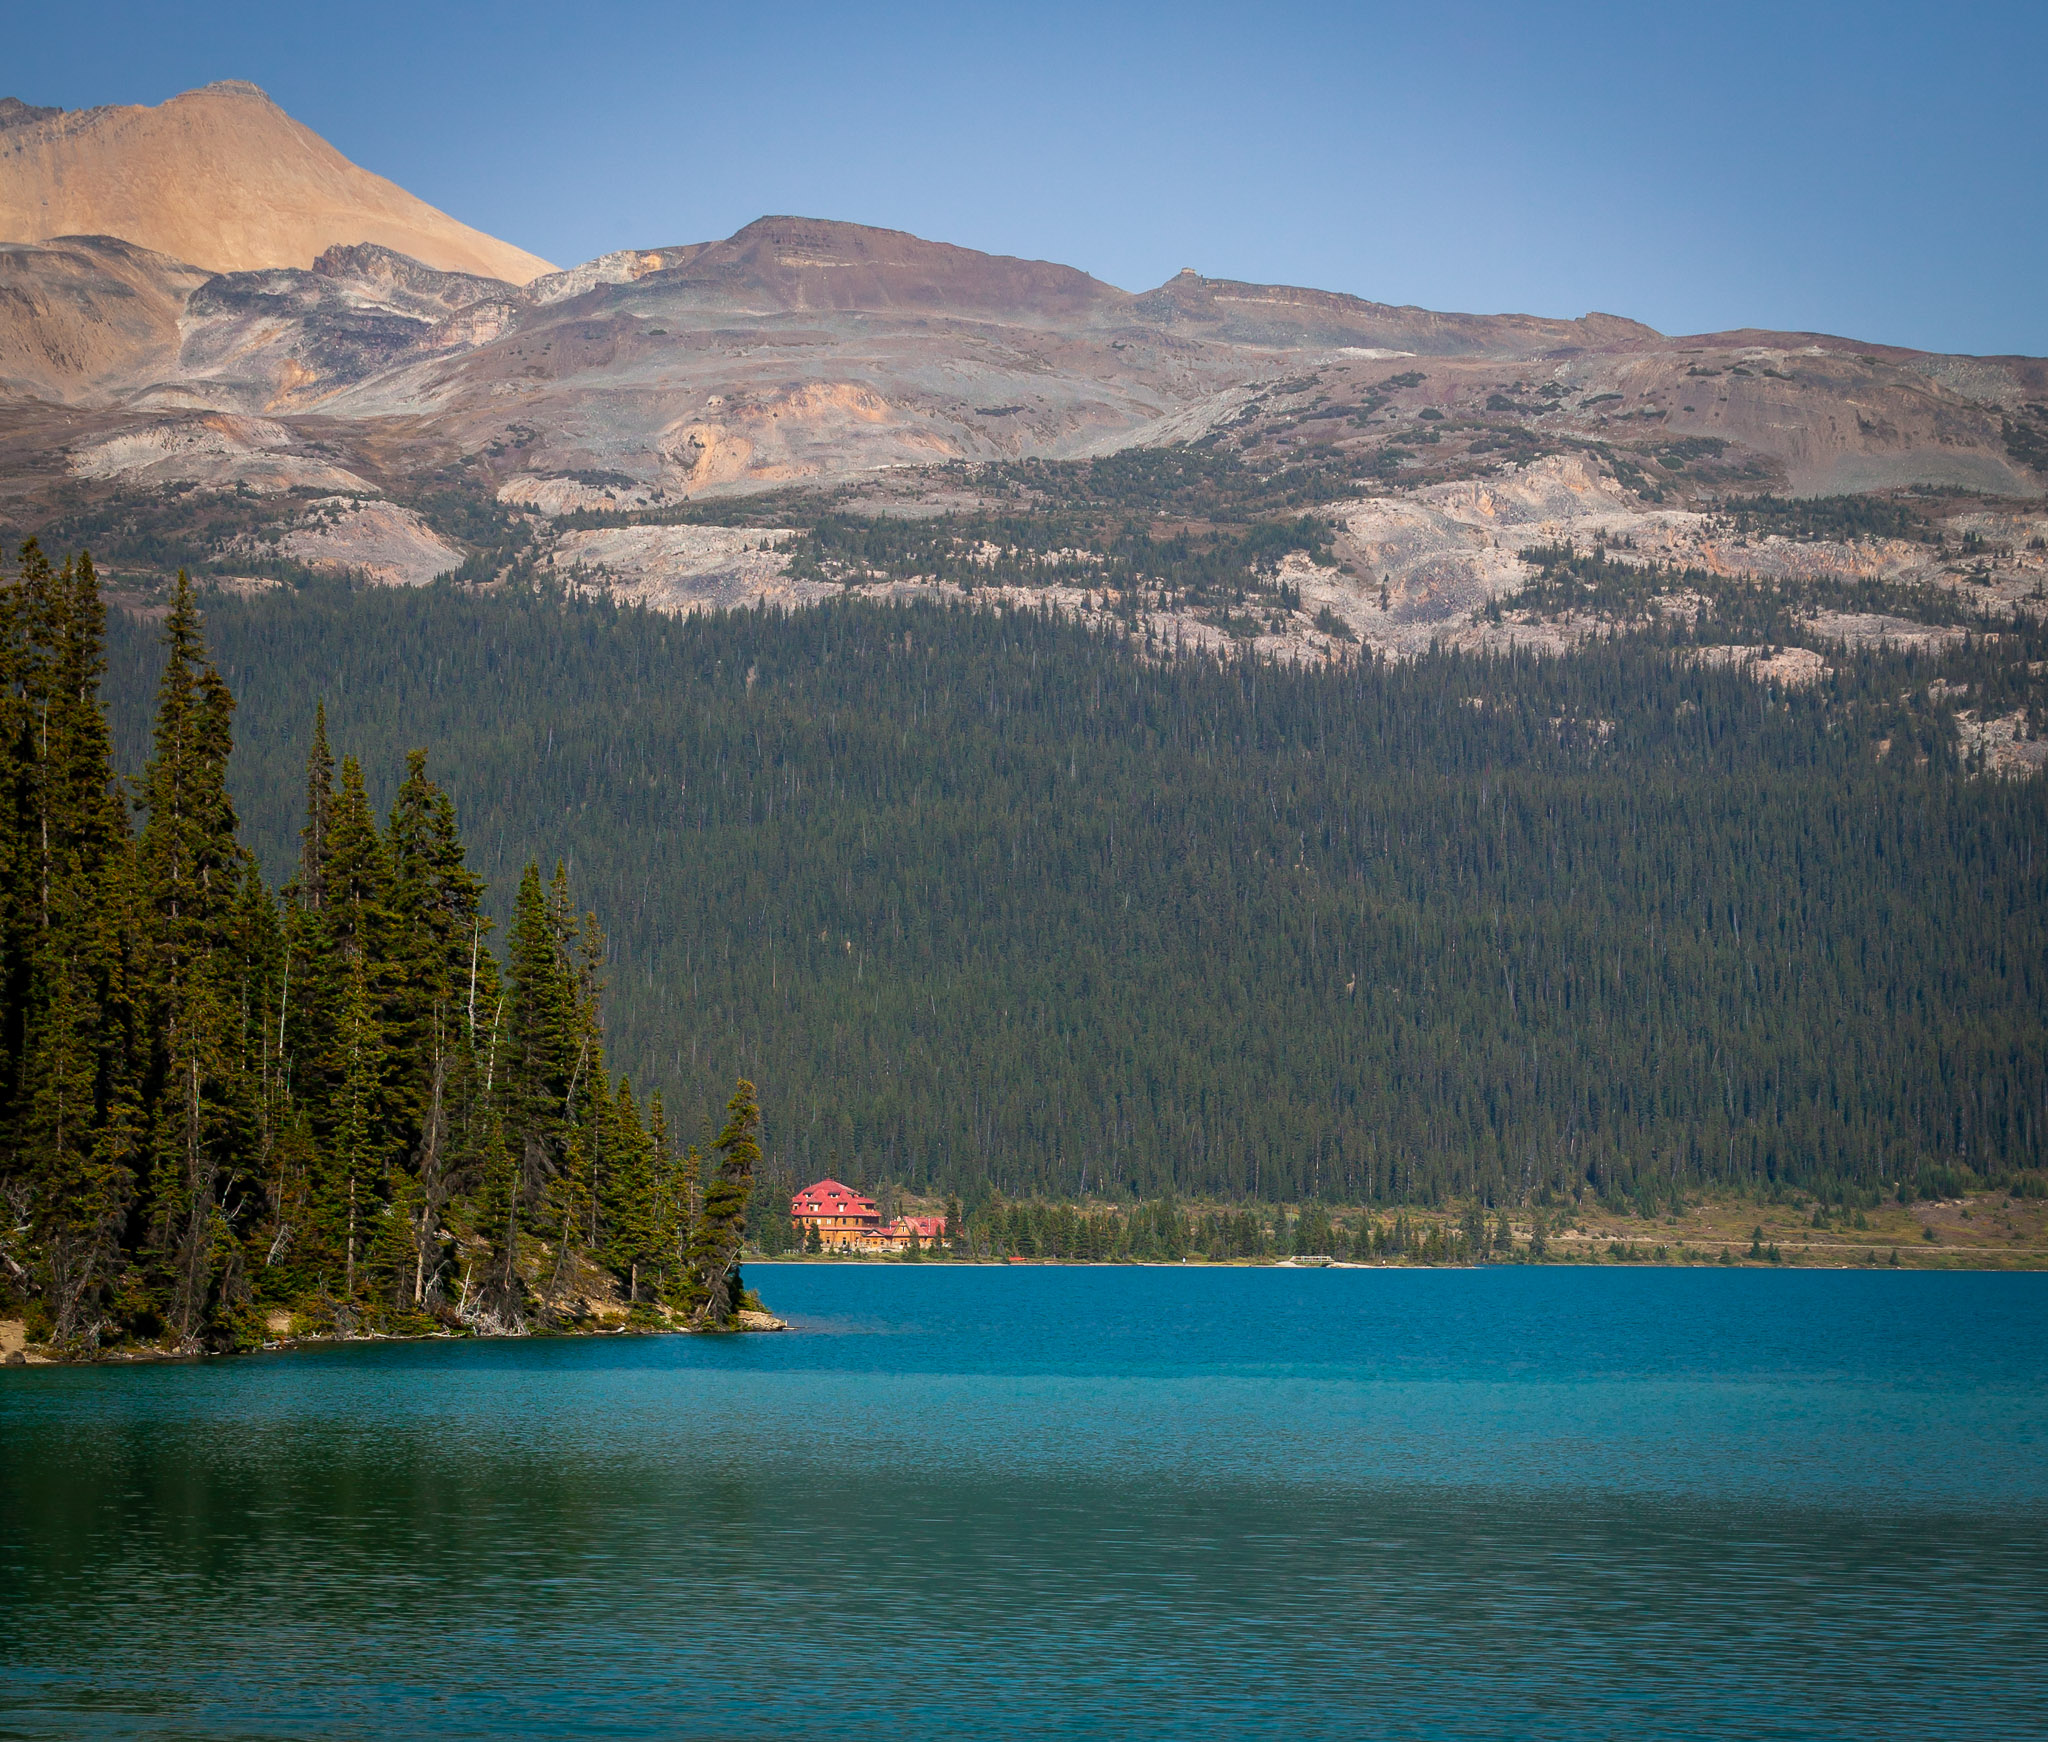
(1982,1229)
(2032,1264)
(17,1351)
(1584,1254)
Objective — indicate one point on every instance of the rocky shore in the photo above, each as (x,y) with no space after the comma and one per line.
(16,1350)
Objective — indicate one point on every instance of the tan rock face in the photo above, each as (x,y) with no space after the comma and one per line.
(218,450)
(2003,743)
(680,569)
(552,496)
(226,180)
(1797,667)
(803,432)
(386,544)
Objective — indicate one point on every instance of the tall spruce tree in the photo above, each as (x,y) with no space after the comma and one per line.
(312,878)
(190,866)
(75,1086)
(436,934)
(716,1288)
(532,1071)
(581,1187)
(629,1196)
(354,1171)
(675,1186)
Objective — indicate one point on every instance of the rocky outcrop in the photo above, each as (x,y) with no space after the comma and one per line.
(87,319)
(15,113)
(379,541)
(217,450)
(680,569)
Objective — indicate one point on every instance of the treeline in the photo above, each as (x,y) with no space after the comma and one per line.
(1830,517)
(222,1106)
(1775,609)
(2001,664)
(1119,525)
(1164,1232)
(987,903)
(1037,550)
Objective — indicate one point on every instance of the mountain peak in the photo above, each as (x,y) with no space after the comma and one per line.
(224,179)
(827,263)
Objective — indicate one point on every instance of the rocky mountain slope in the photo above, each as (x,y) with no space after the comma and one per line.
(700,425)
(801,351)
(87,318)
(222,178)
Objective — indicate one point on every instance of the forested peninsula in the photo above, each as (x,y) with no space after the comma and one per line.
(229,1115)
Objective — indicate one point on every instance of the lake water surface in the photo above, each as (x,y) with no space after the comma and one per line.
(1069,1502)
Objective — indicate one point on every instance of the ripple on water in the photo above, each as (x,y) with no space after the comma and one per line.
(1067,1503)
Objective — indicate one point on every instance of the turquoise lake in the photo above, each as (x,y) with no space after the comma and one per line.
(1069,1502)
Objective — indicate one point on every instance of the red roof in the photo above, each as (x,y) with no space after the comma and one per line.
(830,1198)
(924,1227)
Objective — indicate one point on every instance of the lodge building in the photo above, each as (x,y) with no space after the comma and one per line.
(847,1222)
(843,1218)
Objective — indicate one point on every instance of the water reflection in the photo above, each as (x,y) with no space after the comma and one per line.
(975,1523)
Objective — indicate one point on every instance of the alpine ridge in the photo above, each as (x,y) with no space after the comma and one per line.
(204,299)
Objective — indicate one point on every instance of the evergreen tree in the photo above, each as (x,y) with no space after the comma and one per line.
(578,1190)
(311,886)
(673,1179)
(430,1186)
(541,1034)
(190,868)
(436,932)
(630,1196)
(354,1158)
(72,1083)
(311,979)
(264,1113)
(716,1288)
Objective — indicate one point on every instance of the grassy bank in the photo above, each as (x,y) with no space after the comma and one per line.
(1982,1230)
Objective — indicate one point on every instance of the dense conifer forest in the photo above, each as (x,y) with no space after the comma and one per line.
(997,905)
(1161,1231)
(228,1110)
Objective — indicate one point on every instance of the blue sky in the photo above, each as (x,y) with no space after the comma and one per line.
(1875,170)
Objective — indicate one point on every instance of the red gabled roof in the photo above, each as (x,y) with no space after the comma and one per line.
(830,1197)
